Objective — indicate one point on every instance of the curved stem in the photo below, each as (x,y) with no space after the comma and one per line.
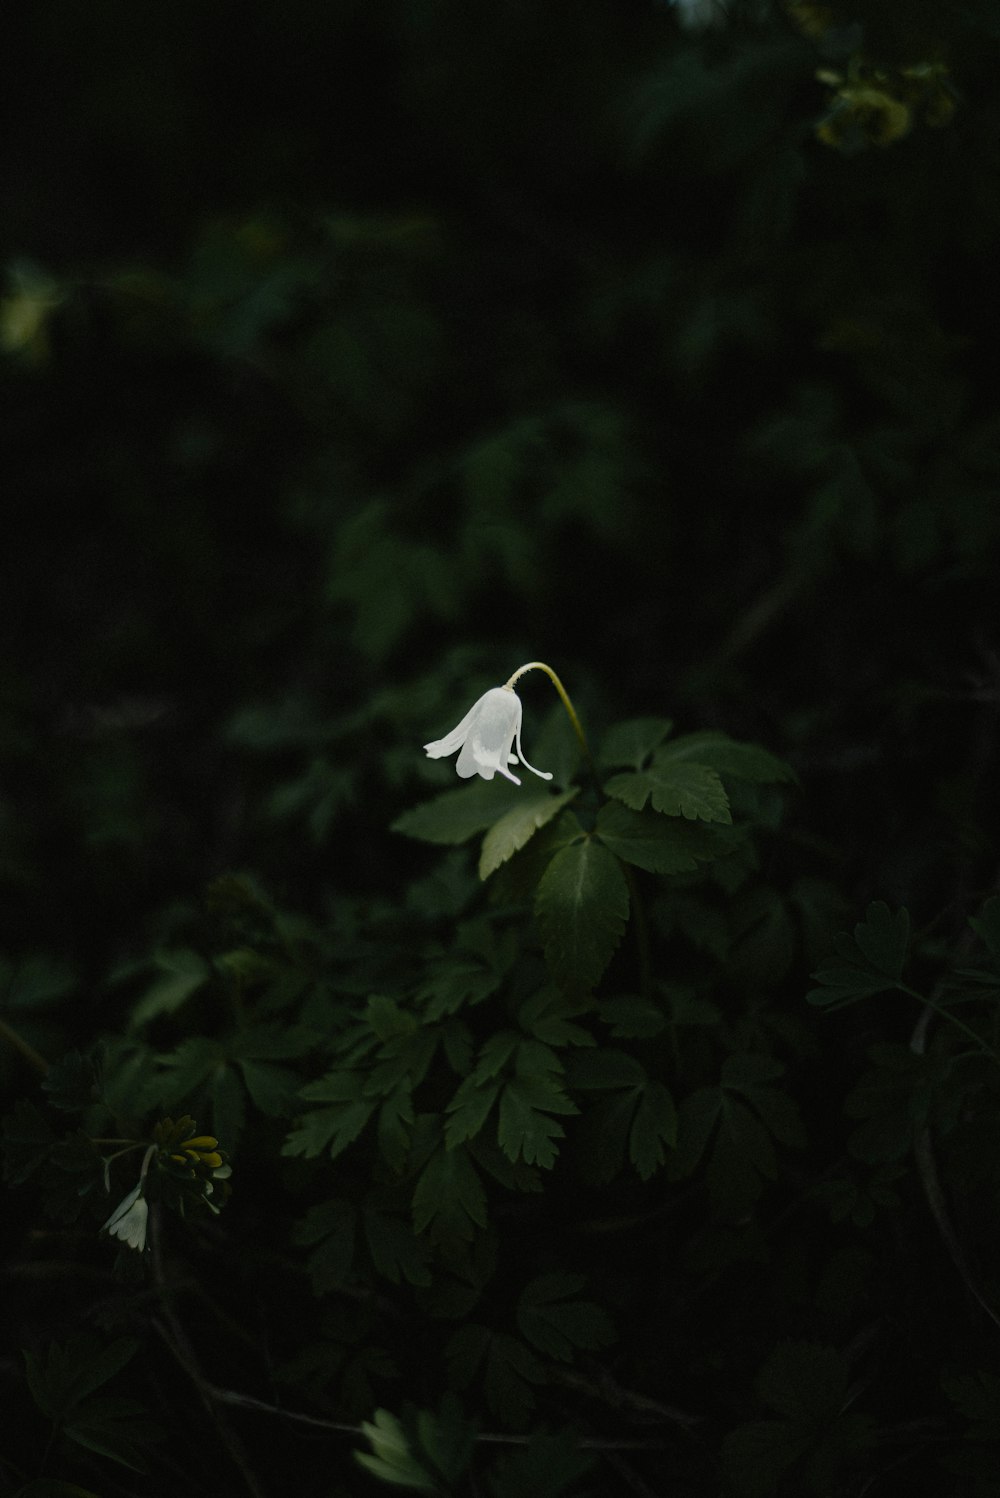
(567,704)
(983,1046)
(34,1058)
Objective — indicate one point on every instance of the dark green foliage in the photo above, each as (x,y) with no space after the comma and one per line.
(634,1131)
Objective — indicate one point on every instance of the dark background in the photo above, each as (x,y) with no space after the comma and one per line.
(355,353)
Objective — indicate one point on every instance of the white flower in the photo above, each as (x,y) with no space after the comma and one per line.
(486,733)
(128,1220)
(699,15)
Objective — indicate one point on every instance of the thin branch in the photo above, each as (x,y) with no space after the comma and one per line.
(34,1058)
(176,1340)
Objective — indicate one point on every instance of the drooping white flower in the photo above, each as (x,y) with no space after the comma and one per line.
(485,736)
(128,1220)
(700,15)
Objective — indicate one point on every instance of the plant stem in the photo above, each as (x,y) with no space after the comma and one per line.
(982,1045)
(34,1058)
(567,704)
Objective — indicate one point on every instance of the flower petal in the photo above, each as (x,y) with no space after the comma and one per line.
(452,741)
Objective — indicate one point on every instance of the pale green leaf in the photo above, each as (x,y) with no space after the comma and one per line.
(507,836)
(456,816)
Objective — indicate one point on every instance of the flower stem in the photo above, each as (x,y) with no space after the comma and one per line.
(33,1057)
(567,704)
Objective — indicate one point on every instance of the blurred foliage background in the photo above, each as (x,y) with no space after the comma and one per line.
(353,354)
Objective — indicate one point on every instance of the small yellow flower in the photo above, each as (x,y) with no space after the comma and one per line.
(862,109)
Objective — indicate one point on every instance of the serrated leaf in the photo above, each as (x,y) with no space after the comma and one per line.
(514,830)
(677,789)
(872,959)
(334,1127)
(654,1129)
(653,842)
(456,816)
(397,1253)
(581,906)
(604,1070)
(395,1121)
(545,1017)
(632,1017)
(329,1228)
(453,982)
(511,1369)
(883,938)
(392,1462)
(181,973)
(555,1323)
(449,1202)
(631,743)
(469,1110)
(526,1130)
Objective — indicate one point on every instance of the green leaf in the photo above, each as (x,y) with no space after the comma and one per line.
(182,973)
(650,841)
(397,1253)
(557,1324)
(675,788)
(883,938)
(545,1467)
(454,981)
(469,1110)
(546,1017)
(393,1461)
(507,836)
(631,743)
(456,816)
(728,756)
(510,1369)
(872,960)
(449,1202)
(395,1121)
(330,1228)
(526,1131)
(447,1438)
(272,1089)
(733,1126)
(654,1129)
(115,1428)
(632,1017)
(581,906)
(335,1127)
